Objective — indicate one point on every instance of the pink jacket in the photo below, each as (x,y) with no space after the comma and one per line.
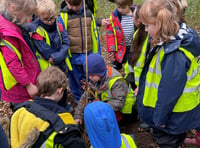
(23,75)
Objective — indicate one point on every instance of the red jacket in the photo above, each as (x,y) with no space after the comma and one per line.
(23,75)
(110,39)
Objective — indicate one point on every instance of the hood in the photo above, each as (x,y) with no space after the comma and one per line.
(101,125)
(186,38)
(96,65)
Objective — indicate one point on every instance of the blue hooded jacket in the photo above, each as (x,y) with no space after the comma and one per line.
(174,66)
(101,125)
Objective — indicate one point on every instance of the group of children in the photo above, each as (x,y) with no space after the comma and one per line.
(161,68)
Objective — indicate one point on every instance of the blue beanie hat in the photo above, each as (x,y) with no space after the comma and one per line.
(101,125)
(96,65)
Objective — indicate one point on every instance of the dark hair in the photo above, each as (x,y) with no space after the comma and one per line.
(123,3)
(138,40)
(74,2)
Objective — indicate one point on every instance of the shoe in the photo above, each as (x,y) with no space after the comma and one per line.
(193,141)
(145,127)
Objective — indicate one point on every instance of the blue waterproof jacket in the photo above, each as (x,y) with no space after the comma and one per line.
(58,50)
(174,66)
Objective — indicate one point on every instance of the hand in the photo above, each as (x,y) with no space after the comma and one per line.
(78,121)
(111,55)
(31,89)
(105,22)
(163,126)
(136,91)
(50,60)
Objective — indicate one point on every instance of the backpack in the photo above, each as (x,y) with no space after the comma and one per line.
(53,130)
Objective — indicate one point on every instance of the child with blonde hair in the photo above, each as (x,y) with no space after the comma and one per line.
(49,37)
(168,95)
(19,67)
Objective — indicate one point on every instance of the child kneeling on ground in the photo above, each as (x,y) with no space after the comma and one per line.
(106,85)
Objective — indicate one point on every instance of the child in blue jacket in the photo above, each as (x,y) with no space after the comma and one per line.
(49,37)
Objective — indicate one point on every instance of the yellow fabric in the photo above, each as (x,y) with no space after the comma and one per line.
(67,118)
(140,62)
(44,64)
(190,97)
(94,33)
(8,79)
(130,140)
(22,123)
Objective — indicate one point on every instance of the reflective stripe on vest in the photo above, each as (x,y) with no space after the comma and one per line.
(191,94)
(94,31)
(8,79)
(130,97)
(114,31)
(44,63)
(127,141)
(95,7)
(140,62)
(128,69)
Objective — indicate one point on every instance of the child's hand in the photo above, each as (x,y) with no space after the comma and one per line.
(50,60)
(163,126)
(136,91)
(78,121)
(105,22)
(111,55)
(31,89)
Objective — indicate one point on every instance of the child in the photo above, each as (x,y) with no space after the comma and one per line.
(102,127)
(72,19)
(37,122)
(19,67)
(108,86)
(120,33)
(49,37)
(168,95)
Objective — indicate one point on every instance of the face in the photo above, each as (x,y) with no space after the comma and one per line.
(48,19)
(75,8)
(94,78)
(123,10)
(150,28)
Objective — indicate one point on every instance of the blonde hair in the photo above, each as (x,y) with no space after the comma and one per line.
(50,80)
(162,13)
(46,7)
(20,6)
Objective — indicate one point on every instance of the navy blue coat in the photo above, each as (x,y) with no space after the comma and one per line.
(174,66)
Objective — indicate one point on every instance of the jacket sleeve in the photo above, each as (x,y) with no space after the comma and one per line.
(43,48)
(13,63)
(60,55)
(173,68)
(81,105)
(119,91)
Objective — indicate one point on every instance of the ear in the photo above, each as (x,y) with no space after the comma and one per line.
(60,90)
